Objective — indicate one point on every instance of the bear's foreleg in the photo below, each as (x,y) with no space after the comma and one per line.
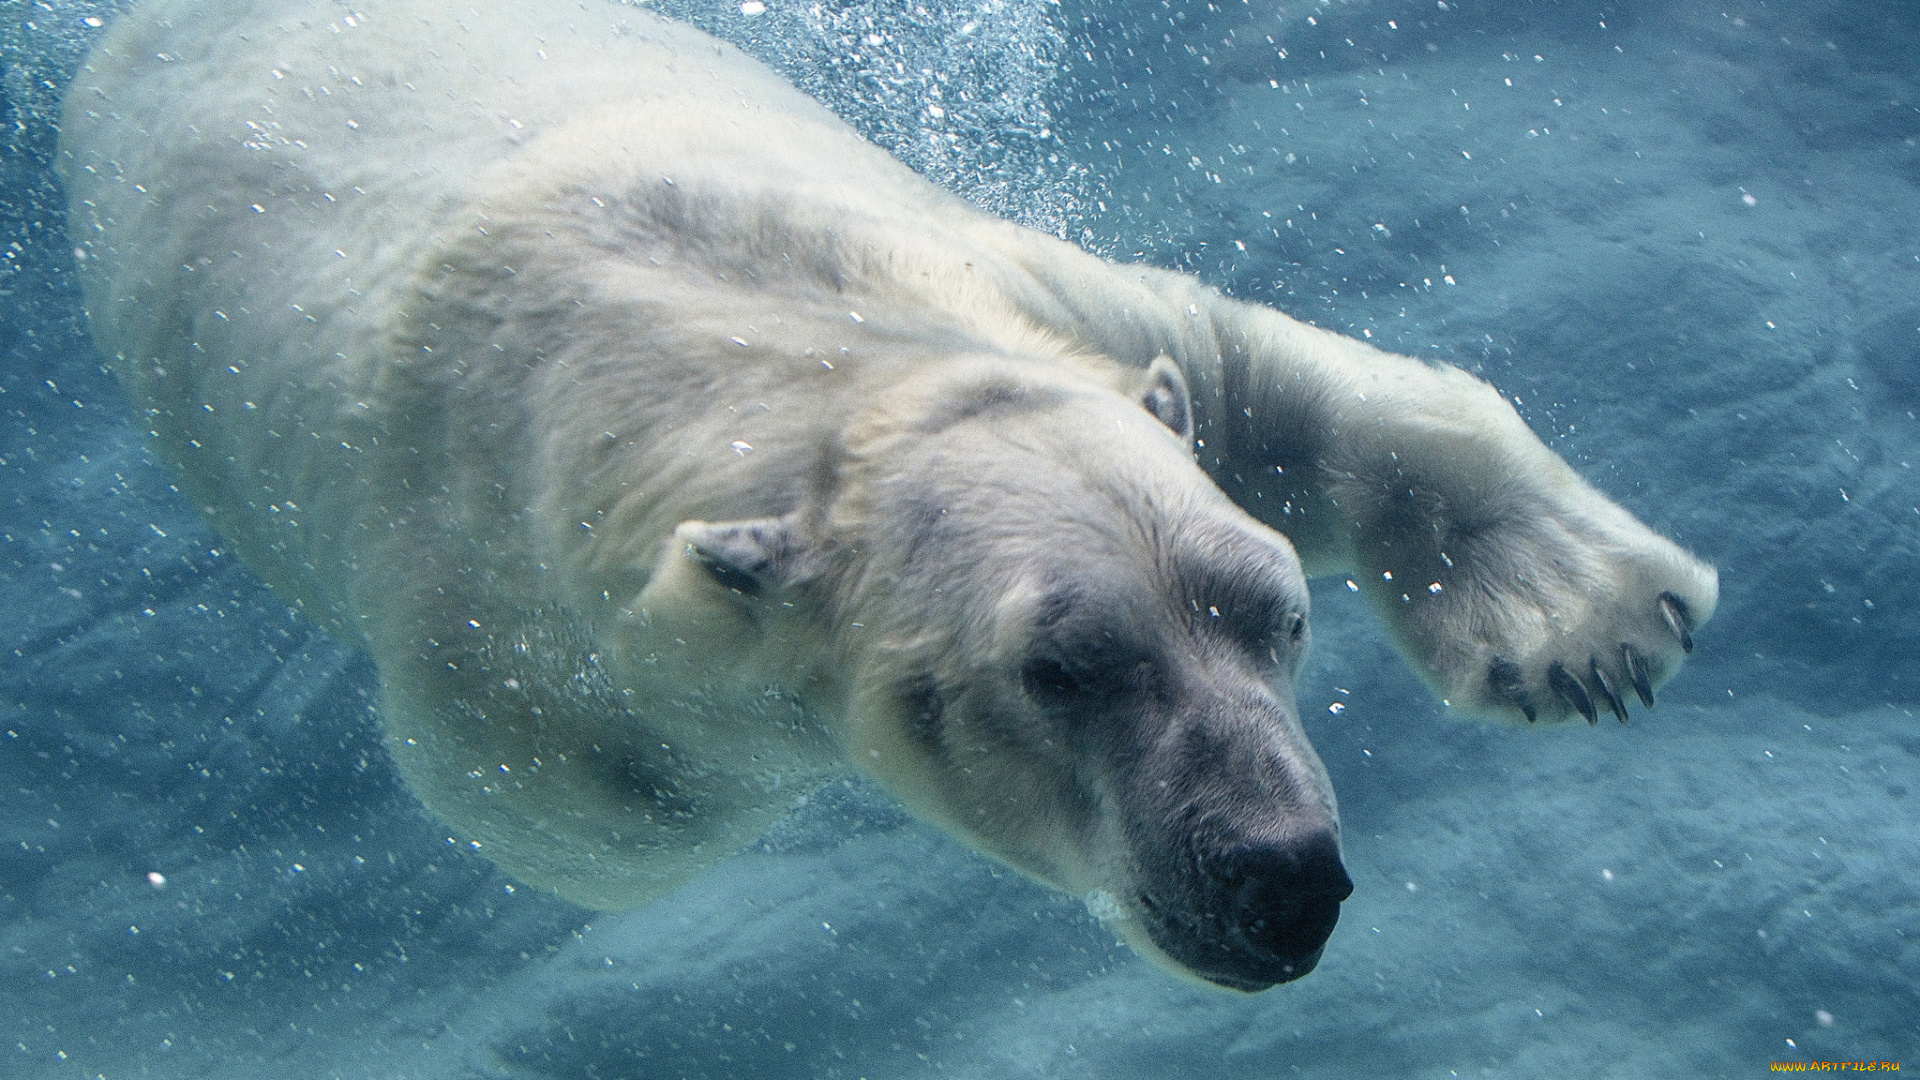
(1512,585)
(508,727)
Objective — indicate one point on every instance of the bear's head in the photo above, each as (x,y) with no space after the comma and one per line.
(1067,647)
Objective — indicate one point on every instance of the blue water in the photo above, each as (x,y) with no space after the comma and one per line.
(1687,239)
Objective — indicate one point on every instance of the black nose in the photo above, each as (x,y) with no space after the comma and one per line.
(1286,901)
(1260,915)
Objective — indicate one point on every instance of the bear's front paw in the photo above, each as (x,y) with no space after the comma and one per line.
(1602,681)
(1565,607)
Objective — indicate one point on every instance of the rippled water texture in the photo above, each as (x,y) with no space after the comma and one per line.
(1685,239)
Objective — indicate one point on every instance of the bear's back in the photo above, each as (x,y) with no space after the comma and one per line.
(266,181)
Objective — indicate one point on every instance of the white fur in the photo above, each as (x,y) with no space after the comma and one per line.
(463,323)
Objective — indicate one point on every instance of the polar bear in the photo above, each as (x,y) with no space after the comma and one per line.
(672,449)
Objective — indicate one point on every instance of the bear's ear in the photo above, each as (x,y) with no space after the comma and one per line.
(1166,398)
(750,557)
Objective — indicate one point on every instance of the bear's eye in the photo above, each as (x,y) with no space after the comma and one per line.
(1286,642)
(1057,676)
(1047,679)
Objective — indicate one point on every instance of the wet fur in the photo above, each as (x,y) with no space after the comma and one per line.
(671,449)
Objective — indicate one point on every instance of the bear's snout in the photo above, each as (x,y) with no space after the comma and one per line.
(1255,916)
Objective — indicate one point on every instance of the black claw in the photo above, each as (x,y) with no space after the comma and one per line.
(1606,689)
(1570,688)
(1674,611)
(1637,673)
(1507,683)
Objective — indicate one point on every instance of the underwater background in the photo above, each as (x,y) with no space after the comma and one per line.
(1683,236)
